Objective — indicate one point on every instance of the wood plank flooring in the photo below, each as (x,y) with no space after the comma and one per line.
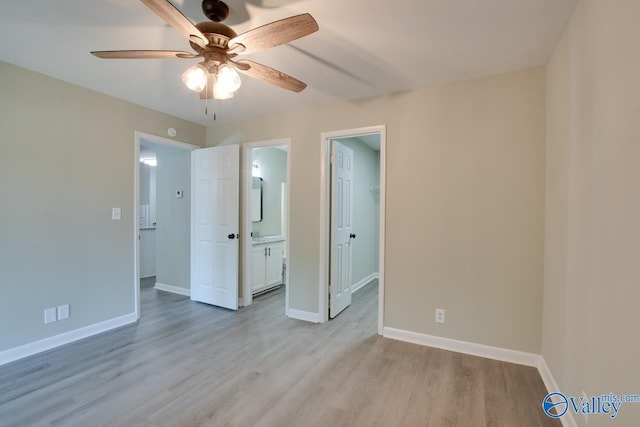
(189,364)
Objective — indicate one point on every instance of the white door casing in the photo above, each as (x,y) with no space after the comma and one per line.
(215,225)
(341,228)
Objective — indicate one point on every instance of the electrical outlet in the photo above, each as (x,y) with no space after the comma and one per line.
(50,315)
(439,315)
(63,312)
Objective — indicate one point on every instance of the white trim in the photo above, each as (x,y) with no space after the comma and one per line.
(173,289)
(137,138)
(136,224)
(382,219)
(489,352)
(49,343)
(550,383)
(323,287)
(547,377)
(364,282)
(246,173)
(307,316)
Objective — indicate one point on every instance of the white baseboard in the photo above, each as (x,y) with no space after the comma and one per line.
(489,352)
(303,315)
(173,289)
(547,377)
(496,353)
(552,386)
(36,347)
(364,282)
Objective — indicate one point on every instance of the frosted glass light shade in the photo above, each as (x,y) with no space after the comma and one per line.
(227,82)
(195,78)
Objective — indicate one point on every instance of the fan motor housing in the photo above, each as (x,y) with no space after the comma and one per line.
(218,34)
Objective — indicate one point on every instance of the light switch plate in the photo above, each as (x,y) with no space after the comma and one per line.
(116,214)
(63,312)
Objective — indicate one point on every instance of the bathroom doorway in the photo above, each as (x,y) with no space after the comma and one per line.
(265,213)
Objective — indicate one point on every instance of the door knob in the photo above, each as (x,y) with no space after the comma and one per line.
(231,236)
(352,236)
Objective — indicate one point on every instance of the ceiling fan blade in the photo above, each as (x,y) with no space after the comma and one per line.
(276,33)
(177,20)
(270,75)
(142,54)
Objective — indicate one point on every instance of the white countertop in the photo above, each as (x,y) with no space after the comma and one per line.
(267,239)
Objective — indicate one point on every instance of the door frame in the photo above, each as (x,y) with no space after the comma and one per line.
(138,137)
(246,171)
(325,213)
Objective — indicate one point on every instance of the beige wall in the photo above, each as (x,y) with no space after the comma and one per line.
(592,273)
(465,197)
(67,158)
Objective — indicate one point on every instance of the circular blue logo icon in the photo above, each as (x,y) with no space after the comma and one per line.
(555,400)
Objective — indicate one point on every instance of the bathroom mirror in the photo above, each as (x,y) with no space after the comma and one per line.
(256,199)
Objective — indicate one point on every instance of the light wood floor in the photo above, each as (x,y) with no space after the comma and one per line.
(189,364)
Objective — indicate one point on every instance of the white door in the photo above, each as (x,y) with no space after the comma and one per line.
(215,225)
(341,228)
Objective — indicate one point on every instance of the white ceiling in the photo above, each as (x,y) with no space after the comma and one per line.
(364,48)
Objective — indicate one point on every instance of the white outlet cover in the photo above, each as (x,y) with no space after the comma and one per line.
(63,312)
(439,315)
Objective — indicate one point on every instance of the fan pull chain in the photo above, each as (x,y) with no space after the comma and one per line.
(206,108)
(206,99)
(214,108)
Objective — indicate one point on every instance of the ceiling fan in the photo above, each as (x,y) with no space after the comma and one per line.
(216,76)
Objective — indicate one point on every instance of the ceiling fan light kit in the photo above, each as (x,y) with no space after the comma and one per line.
(216,77)
(212,81)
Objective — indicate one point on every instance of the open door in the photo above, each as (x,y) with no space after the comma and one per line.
(215,225)
(341,228)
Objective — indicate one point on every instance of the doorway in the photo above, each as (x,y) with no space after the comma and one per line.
(176,154)
(376,136)
(265,218)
